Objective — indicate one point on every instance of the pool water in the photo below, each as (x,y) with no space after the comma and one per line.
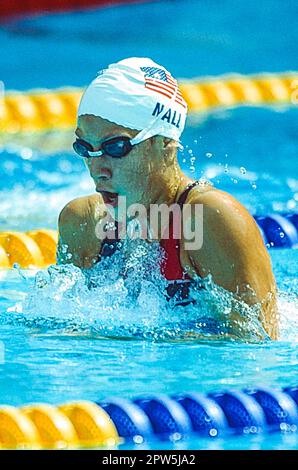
(61,342)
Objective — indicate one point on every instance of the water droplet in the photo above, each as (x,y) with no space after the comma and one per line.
(242,170)
(282,235)
(209,154)
(176,436)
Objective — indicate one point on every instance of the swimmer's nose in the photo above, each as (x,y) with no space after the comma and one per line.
(102,175)
(98,169)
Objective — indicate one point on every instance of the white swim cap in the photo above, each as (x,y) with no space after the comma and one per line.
(138,94)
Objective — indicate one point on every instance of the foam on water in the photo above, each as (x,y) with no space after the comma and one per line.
(102,301)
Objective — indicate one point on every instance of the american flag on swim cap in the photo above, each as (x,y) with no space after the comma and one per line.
(162,82)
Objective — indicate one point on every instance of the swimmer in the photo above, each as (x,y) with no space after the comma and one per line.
(130,120)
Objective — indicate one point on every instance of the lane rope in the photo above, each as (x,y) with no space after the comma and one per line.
(108,424)
(47,110)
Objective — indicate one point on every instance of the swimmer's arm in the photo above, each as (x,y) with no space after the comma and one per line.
(233,252)
(77,242)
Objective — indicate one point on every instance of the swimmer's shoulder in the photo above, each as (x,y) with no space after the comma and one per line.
(78,243)
(230,234)
(82,208)
(220,207)
(233,251)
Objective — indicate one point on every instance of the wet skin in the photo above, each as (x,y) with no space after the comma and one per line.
(233,251)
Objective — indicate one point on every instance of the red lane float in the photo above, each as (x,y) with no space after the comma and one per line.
(18,8)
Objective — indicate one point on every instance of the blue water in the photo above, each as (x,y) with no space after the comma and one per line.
(190,37)
(60,344)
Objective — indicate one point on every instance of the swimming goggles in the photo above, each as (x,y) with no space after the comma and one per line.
(116,147)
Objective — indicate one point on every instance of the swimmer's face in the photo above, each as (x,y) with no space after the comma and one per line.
(136,175)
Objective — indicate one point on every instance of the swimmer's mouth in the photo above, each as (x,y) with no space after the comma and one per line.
(109,198)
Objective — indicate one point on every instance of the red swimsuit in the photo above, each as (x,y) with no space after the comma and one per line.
(170,265)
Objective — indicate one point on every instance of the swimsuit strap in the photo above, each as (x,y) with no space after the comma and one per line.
(184,195)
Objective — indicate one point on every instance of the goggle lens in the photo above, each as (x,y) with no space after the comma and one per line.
(117,147)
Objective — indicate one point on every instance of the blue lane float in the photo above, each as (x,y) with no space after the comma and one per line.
(293,392)
(242,411)
(279,408)
(129,419)
(167,416)
(280,231)
(225,413)
(207,417)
